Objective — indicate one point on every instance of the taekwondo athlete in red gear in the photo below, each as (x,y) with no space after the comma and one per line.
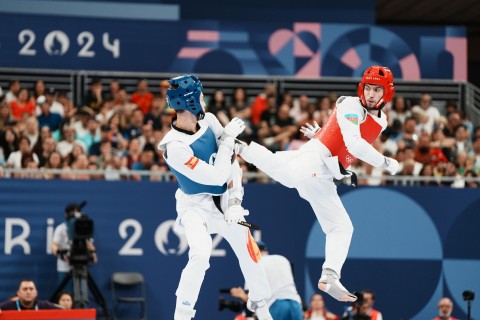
(347,135)
(209,196)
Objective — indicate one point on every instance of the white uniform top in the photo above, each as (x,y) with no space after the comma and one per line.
(60,236)
(194,159)
(280,278)
(350,116)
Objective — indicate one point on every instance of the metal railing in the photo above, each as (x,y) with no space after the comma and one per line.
(167,176)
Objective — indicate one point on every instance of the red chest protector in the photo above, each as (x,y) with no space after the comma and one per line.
(331,136)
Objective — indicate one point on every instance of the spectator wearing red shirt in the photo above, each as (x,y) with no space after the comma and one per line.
(142,97)
(23,107)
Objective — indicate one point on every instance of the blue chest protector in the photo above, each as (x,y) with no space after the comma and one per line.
(203,148)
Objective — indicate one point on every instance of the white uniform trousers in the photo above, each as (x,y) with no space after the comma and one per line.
(198,224)
(305,170)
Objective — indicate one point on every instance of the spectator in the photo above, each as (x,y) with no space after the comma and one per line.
(54,161)
(468,183)
(13,90)
(218,106)
(462,141)
(95,96)
(369,300)
(65,146)
(48,118)
(317,310)
(154,117)
(445,308)
(55,106)
(277,127)
(38,89)
(14,160)
(299,111)
(132,155)
(239,106)
(284,303)
(31,131)
(399,111)
(65,300)
(5,115)
(9,142)
(105,135)
(22,107)
(136,123)
(260,103)
(122,103)
(27,299)
(114,87)
(427,112)
(143,98)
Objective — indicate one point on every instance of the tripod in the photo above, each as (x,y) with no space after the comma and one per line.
(82,281)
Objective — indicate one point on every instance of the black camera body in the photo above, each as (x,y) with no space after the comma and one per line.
(468,295)
(79,229)
(232,305)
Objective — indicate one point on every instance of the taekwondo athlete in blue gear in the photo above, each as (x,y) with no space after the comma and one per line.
(199,152)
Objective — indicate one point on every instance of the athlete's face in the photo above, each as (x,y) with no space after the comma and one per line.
(373,93)
(202,102)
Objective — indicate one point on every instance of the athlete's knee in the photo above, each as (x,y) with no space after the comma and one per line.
(201,259)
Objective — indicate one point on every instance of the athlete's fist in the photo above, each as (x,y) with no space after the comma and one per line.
(235,214)
(234,128)
(391,165)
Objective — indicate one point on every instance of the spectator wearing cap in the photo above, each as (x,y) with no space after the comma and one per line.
(48,118)
(22,106)
(95,96)
(143,98)
(105,135)
(55,106)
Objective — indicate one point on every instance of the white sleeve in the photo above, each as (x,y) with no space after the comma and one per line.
(181,158)
(235,188)
(349,116)
(214,124)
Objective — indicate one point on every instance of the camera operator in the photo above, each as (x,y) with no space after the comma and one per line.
(285,303)
(358,310)
(61,244)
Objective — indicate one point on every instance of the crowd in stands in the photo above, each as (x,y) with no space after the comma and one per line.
(117,131)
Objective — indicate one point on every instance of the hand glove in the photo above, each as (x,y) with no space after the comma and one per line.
(235,214)
(391,165)
(309,131)
(234,128)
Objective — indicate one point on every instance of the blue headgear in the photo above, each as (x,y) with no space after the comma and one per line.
(184,94)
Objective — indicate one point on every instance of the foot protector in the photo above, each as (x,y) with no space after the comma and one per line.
(330,284)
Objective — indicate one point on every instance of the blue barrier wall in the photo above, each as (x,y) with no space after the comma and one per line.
(300,49)
(411,245)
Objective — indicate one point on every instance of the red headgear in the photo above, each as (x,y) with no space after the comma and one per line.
(381,76)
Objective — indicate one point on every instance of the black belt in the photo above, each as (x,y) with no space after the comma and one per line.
(353,175)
